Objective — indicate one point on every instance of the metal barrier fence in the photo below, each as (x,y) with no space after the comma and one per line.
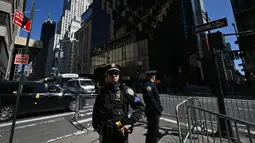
(83,100)
(204,126)
(241,109)
(181,117)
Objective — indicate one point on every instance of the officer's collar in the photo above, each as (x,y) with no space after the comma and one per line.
(112,86)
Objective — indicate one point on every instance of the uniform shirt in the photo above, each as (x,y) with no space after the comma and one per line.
(112,103)
(151,97)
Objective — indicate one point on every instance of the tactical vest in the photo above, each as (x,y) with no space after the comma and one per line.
(113,105)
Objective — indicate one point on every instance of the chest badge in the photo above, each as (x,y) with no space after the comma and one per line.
(117,97)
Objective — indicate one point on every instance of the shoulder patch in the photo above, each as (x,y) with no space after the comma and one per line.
(148,88)
(130,91)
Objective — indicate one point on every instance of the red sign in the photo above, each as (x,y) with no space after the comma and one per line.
(21,59)
(22,21)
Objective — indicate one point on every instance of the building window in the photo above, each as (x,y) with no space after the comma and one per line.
(113,55)
(120,54)
(3,18)
(127,52)
(124,53)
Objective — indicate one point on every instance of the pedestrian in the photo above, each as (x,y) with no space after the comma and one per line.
(153,107)
(110,114)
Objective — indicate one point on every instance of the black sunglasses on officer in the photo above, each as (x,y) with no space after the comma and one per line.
(113,72)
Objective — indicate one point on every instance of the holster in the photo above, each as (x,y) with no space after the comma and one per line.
(109,130)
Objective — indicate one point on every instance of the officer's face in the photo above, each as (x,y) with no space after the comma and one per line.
(113,76)
(153,78)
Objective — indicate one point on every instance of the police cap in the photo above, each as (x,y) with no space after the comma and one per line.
(112,67)
(151,73)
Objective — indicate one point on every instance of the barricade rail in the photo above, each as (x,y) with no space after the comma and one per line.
(181,117)
(208,127)
(241,109)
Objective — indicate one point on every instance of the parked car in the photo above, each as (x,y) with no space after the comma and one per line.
(35,97)
(84,85)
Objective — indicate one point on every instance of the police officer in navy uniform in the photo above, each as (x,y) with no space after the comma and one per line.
(110,114)
(153,107)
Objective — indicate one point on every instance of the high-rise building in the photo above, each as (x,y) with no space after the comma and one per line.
(43,61)
(101,24)
(8,32)
(150,35)
(82,50)
(244,12)
(67,45)
(72,10)
(230,64)
(199,14)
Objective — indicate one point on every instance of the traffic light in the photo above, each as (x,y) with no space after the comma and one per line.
(217,40)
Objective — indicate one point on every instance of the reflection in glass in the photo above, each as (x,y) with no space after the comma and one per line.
(85,82)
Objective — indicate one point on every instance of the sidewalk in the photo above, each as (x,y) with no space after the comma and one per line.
(168,135)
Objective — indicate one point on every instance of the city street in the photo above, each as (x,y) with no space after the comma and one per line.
(57,127)
(45,128)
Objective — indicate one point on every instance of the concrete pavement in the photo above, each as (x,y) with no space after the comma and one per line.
(168,134)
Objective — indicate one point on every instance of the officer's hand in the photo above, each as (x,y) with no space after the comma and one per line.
(125,129)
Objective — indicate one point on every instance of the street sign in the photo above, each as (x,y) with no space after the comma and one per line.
(211,25)
(22,21)
(21,59)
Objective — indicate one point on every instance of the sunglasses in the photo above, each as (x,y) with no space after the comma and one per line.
(111,73)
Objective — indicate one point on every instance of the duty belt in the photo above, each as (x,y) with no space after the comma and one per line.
(109,129)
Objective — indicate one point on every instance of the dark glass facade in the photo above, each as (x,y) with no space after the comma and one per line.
(156,37)
(100,21)
(39,64)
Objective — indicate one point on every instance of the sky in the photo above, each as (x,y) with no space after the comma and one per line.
(216,9)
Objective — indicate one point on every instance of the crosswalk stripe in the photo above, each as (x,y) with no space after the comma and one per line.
(70,135)
(82,121)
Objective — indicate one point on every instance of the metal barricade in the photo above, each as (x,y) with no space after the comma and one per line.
(241,109)
(82,101)
(237,108)
(169,104)
(181,116)
(204,126)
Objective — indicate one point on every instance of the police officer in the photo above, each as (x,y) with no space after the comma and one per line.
(153,107)
(110,114)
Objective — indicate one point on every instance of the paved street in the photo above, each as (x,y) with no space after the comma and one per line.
(167,130)
(61,126)
(42,128)
(56,127)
